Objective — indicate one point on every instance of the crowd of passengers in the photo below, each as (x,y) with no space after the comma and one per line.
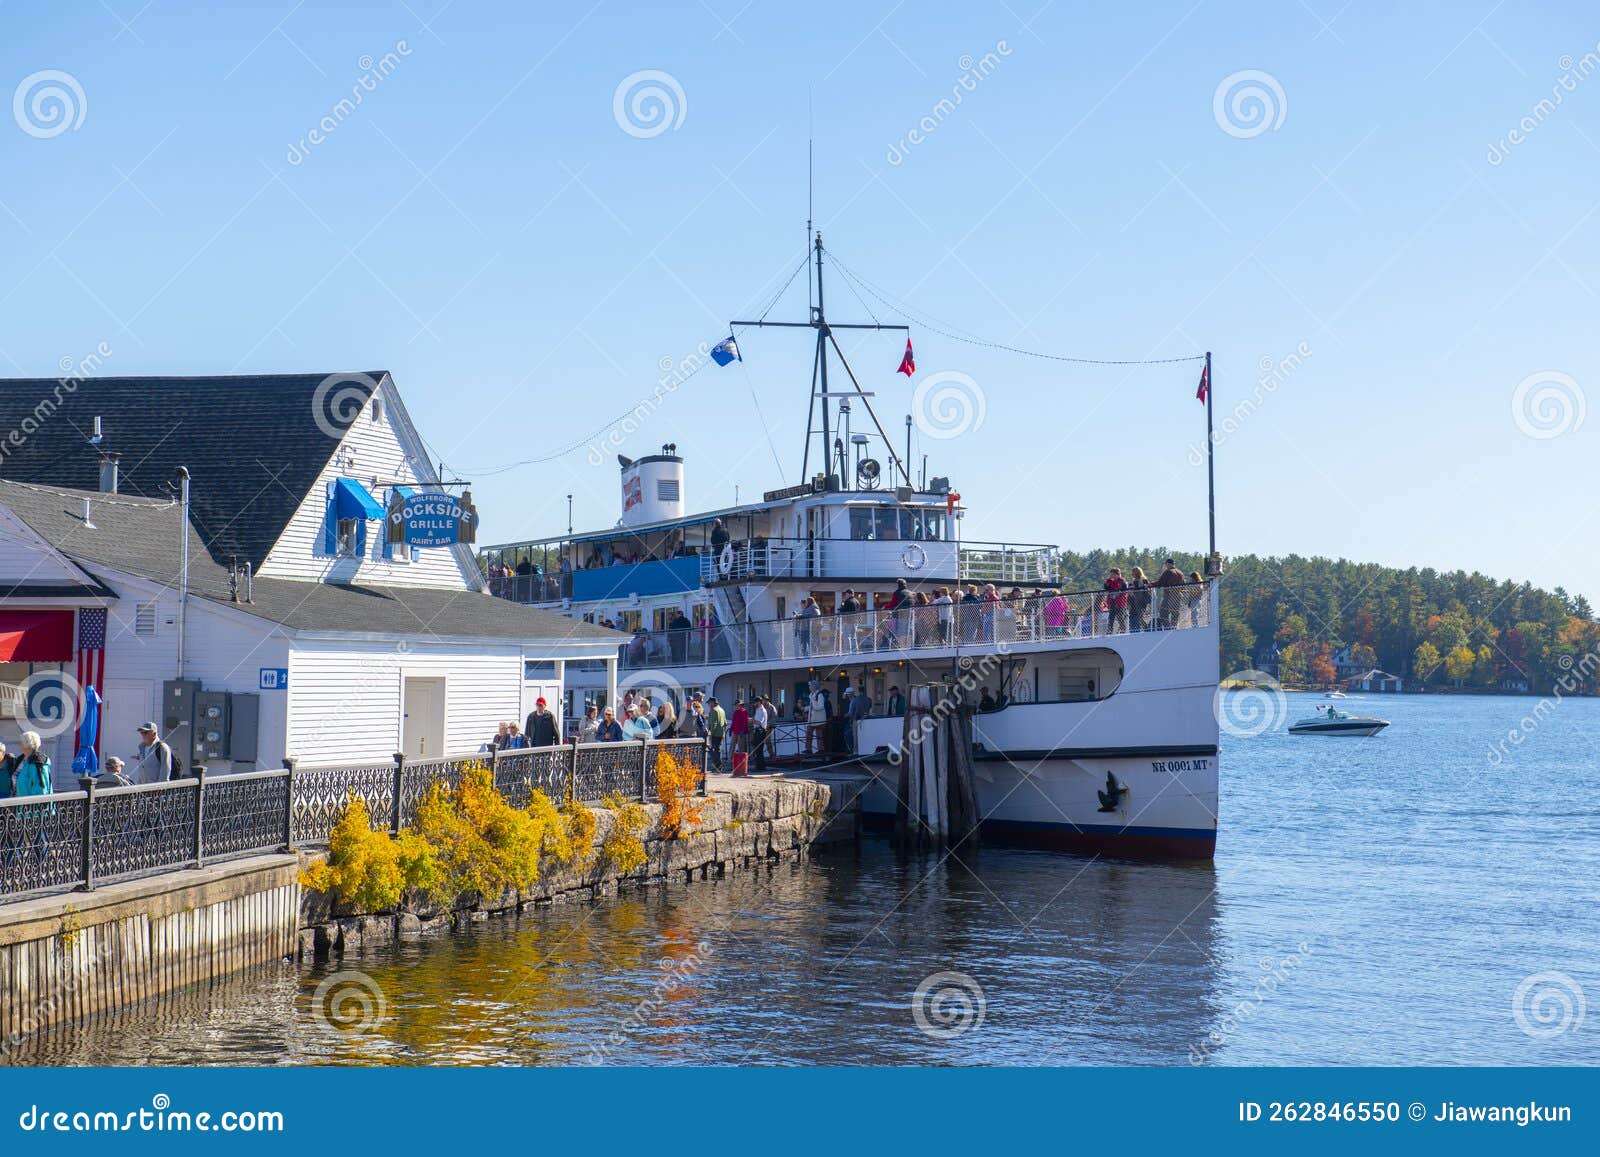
(946,616)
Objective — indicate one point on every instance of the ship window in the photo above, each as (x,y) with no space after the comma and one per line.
(1074,685)
(933,521)
(861,522)
(887,523)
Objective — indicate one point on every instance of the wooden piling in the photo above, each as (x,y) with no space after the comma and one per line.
(936,799)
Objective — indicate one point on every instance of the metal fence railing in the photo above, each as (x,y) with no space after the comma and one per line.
(101,835)
(581,771)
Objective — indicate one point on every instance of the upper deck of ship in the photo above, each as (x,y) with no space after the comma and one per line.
(803,534)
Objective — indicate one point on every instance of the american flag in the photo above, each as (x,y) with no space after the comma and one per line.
(92,651)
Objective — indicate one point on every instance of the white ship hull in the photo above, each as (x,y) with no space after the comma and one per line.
(1040,761)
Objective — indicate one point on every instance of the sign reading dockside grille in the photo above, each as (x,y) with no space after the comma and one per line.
(432,519)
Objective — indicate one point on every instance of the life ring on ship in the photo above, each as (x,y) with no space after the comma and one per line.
(725,560)
(914,557)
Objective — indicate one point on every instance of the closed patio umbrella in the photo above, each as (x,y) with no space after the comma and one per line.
(87,761)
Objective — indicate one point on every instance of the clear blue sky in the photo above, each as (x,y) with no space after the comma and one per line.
(483,227)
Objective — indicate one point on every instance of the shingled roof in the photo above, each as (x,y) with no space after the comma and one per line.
(139,536)
(254,445)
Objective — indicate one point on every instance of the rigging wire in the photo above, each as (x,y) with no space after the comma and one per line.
(581,442)
(946,330)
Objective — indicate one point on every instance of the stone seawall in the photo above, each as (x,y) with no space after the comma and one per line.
(744,822)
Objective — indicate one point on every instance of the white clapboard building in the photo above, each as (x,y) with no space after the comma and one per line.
(279,618)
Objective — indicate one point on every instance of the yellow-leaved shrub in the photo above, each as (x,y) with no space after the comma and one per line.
(677,781)
(623,847)
(469,842)
(363,867)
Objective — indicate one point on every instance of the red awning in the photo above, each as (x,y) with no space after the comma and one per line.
(35,636)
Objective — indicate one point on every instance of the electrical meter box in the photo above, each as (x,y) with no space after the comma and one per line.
(210,726)
(177,716)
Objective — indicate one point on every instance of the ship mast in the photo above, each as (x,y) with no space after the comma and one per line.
(819,381)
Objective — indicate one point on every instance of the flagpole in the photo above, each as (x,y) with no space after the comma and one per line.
(1211,469)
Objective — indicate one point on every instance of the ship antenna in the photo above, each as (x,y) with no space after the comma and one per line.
(817,320)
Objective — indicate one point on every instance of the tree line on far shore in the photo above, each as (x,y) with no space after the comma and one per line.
(1438,629)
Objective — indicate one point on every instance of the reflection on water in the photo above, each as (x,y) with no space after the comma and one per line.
(818,963)
(1413,885)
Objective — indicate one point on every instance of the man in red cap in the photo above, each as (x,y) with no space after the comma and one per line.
(541,728)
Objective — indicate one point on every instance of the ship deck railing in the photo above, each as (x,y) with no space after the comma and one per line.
(772,559)
(1041,618)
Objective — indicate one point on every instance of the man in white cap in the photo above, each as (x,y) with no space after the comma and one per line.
(153,761)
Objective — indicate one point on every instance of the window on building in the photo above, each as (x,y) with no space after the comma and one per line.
(348,532)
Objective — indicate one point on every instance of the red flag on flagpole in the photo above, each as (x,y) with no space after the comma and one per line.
(1205,383)
(908,364)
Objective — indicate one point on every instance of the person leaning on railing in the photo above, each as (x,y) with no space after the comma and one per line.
(1194,595)
(1169,580)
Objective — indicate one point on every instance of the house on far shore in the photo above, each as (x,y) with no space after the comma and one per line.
(1344,665)
(1517,684)
(1376,680)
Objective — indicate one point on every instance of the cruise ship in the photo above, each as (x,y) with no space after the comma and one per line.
(1095,730)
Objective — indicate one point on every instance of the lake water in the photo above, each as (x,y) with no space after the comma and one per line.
(1421,897)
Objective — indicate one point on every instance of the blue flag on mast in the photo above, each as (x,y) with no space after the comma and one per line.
(725,351)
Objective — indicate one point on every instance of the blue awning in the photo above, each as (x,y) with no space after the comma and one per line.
(351,500)
(407,491)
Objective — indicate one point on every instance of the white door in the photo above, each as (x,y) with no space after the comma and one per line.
(422,729)
(125,706)
(551,693)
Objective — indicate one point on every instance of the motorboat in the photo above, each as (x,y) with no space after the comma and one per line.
(1332,721)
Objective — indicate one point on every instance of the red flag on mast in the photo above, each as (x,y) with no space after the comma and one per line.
(908,364)
(1205,383)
